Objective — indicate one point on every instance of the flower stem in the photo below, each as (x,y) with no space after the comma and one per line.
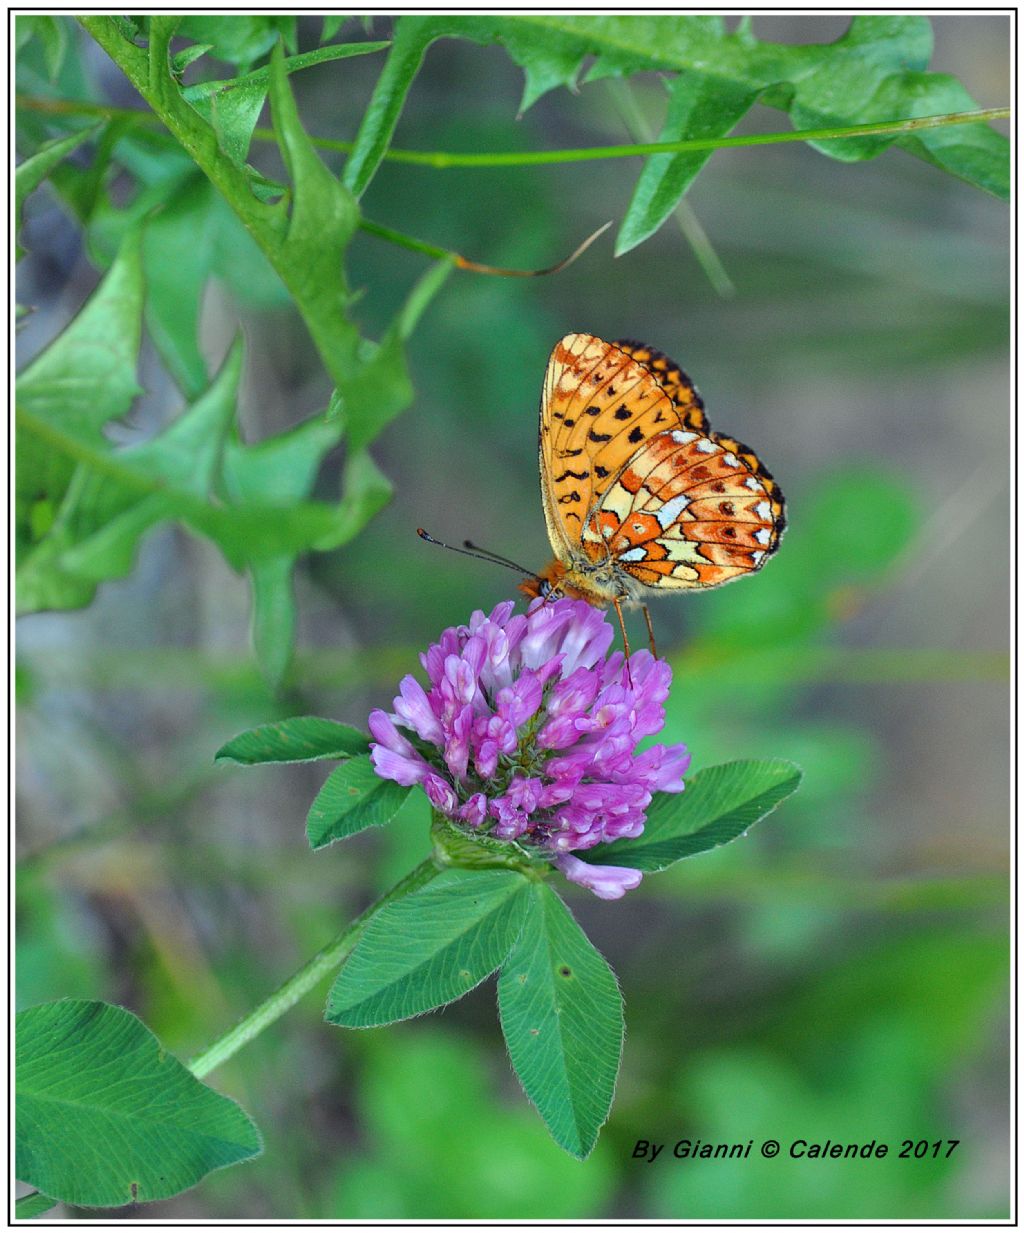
(306,978)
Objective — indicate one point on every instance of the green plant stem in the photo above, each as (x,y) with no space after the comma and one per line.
(403,240)
(536,158)
(533,158)
(306,978)
(379,230)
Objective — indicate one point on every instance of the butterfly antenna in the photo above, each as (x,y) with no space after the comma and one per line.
(472,551)
(494,556)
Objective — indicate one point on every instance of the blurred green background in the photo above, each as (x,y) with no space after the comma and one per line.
(843,973)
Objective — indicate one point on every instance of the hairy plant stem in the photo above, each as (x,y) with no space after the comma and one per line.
(532,158)
(306,978)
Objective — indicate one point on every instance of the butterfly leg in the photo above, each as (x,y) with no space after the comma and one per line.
(650,630)
(625,639)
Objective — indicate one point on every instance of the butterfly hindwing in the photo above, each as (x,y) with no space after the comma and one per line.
(762,473)
(685,512)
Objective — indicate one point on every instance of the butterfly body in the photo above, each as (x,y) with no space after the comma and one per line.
(640,496)
(597,583)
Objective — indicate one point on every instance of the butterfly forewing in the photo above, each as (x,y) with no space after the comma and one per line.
(599,406)
(689,404)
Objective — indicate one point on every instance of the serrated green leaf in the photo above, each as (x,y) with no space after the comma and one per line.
(717,805)
(353,798)
(233,107)
(34,170)
(259,520)
(238,38)
(81,534)
(86,377)
(83,379)
(413,34)
(189,55)
(260,523)
(109,505)
(129,28)
(105,1117)
(699,107)
(178,249)
(322,221)
(872,72)
(381,389)
(303,738)
(381,116)
(366,491)
(561,1013)
(180,223)
(430,947)
(281,470)
(972,152)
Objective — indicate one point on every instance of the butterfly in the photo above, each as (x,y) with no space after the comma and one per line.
(640,496)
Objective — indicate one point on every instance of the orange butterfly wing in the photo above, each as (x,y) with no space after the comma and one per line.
(635,482)
(672,379)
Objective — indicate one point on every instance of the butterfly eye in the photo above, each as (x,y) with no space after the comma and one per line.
(545,588)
